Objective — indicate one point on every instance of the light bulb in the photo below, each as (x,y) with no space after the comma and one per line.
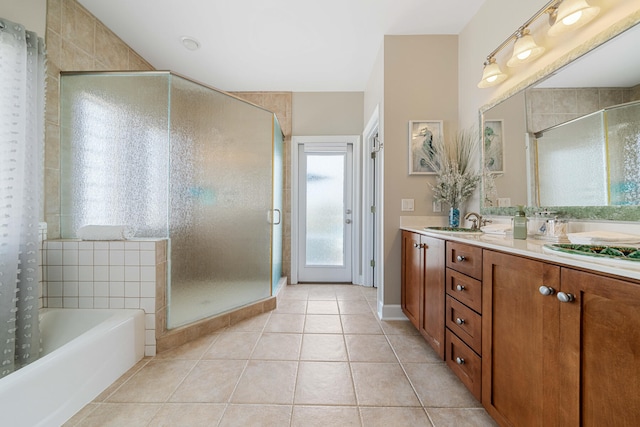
(572,19)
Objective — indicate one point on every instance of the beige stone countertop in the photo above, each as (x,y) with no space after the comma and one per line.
(531,247)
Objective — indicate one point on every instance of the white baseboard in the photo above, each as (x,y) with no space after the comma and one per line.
(390,312)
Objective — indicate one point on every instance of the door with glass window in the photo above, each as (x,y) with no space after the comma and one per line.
(325,206)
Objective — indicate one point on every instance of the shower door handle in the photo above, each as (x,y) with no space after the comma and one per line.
(279,217)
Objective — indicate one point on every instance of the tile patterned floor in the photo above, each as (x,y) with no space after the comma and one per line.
(322,358)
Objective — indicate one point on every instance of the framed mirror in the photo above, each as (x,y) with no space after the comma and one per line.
(570,142)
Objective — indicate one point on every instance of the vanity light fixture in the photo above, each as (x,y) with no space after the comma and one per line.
(525,49)
(564,15)
(492,74)
(569,15)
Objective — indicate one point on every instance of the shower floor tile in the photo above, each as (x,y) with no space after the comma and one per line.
(295,366)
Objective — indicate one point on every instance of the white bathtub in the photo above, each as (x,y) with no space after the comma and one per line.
(84,351)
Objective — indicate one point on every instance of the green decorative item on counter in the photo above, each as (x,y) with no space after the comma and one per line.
(520,224)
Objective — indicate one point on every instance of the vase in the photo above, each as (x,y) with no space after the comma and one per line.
(454,217)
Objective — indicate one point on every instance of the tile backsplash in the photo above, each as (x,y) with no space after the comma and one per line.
(105,274)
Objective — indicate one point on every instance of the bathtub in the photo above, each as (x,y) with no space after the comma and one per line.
(84,351)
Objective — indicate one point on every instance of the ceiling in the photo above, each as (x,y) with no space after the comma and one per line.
(275,45)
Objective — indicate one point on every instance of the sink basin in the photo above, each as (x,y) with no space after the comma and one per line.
(624,256)
(456,230)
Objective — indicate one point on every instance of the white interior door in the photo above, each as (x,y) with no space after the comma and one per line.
(325,212)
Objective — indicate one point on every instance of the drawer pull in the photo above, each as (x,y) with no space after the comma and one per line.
(460,258)
(566,297)
(459,321)
(460,288)
(546,290)
(459,360)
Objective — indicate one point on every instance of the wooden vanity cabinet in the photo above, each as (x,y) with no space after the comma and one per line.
(423,286)
(546,362)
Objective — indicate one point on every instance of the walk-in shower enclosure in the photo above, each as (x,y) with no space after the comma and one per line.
(174,159)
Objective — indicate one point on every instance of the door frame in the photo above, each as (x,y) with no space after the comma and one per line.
(296,143)
(372,236)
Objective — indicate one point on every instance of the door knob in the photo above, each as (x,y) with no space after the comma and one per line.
(546,290)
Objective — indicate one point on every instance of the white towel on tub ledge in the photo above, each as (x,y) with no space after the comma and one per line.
(105,232)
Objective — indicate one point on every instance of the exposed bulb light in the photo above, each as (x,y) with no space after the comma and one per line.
(525,49)
(571,14)
(492,74)
(190,43)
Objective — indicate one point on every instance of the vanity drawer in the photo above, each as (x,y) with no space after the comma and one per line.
(465,323)
(464,289)
(465,259)
(464,362)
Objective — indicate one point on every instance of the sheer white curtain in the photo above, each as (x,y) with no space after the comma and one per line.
(22,63)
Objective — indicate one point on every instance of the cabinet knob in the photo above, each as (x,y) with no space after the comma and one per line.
(566,297)
(460,258)
(546,290)
(416,245)
(460,288)
(459,360)
(459,321)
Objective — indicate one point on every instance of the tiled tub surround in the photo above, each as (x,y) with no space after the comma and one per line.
(107,274)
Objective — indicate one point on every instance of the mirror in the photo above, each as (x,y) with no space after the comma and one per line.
(536,138)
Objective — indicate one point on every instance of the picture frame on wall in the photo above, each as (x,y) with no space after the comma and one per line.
(493,146)
(422,133)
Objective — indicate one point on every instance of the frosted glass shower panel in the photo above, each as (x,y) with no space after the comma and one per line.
(114,151)
(220,202)
(325,209)
(572,168)
(278,205)
(623,132)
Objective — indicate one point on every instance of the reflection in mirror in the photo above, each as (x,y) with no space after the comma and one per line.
(582,152)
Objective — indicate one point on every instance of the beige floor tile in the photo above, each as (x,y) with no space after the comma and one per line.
(278,346)
(369,348)
(360,324)
(294,292)
(350,292)
(354,307)
(322,307)
(460,417)
(398,327)
(256,416)
(192,350)
(322,324)
(233,345)
(188,415)
(328,347)
(293,323)
(267,381)
(413,349)
(253,324)
(385,417)
(325,416)
(153,383)
(382,384)
(322,292)
(124,378)
(120,414)
(437,386)
(210,381)
(324,383)
(291,306)
(81,414)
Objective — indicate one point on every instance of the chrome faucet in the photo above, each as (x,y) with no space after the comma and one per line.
(474,221)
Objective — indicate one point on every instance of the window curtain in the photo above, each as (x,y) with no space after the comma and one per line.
(22,71)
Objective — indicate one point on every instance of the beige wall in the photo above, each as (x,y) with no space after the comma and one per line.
(30,13)
(76,41)
(420,82)
(327,113)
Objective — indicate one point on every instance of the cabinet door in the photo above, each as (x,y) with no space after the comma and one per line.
(432,320)
(519,342)
(600,351)
(412,276)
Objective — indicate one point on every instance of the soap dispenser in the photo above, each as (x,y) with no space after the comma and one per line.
(520,224)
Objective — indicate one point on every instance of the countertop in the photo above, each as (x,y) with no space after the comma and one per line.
(531,248)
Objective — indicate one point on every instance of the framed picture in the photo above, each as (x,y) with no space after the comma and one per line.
(422,133)
(493,143)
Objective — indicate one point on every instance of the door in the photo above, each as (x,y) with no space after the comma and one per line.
(325,212)
(412,276)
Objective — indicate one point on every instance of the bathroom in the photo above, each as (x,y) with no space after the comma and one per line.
(433,93)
